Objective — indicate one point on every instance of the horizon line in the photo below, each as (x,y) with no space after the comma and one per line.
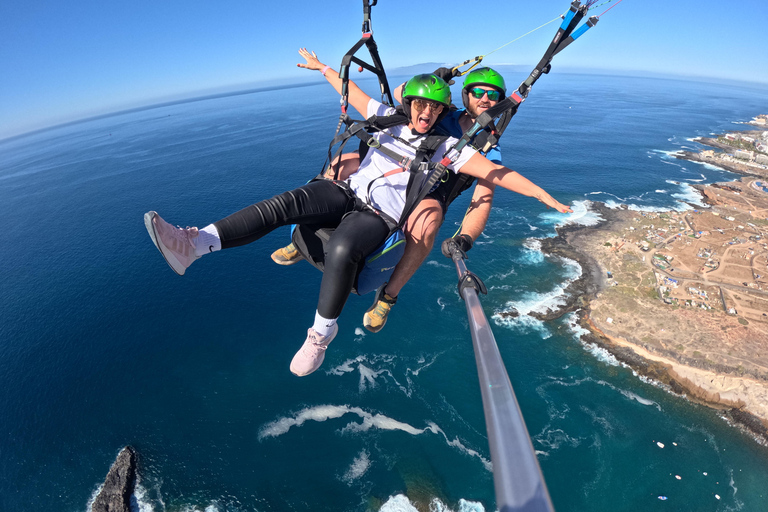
(200,95)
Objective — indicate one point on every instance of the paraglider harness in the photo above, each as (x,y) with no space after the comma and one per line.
(424,175)
(377,267)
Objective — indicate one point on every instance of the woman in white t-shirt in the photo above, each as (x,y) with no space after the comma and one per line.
(362,209)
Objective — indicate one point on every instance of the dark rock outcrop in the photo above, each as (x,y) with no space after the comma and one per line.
(591,281)
(115,495)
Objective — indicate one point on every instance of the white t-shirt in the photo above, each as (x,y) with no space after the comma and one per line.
(387,194)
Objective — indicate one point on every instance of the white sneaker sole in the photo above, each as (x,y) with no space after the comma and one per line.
(175,265)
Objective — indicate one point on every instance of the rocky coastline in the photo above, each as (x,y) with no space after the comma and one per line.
(699,379)
(724,157)
(116,493)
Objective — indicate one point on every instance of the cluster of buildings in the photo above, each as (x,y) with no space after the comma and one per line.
(760,144)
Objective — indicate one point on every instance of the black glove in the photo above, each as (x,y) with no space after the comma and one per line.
(446,74)
(463,243)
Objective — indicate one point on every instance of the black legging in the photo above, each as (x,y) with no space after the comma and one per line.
(357,234)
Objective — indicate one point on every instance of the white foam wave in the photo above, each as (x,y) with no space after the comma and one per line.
(613,205)
(531,254)
(601,354)
(441,303)
(401,503)
(502,275)
(382,362)
(688,194)
(710,166)
(523,324)
(455,443)
(358,468)
(638,398)
(665,153)
(534,302)
(359,331)
(435,263)
(553,439)
(383,367)
(322,413)
(139,500)
(368,377)
(582,215)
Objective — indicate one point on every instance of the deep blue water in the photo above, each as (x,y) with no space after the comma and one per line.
(102,345)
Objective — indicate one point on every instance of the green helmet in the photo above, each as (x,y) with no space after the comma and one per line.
(482,76)
(428,87)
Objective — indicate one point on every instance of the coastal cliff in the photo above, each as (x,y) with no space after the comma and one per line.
(696,329)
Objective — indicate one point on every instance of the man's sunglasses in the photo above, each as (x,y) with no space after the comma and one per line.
(420,105)
(477,92)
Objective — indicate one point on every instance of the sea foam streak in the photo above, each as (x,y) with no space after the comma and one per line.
(372,367)
(321,413)
(358,467)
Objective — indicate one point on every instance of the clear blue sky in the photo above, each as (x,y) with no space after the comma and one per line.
(61,61)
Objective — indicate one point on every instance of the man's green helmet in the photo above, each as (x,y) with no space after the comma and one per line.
(482,76)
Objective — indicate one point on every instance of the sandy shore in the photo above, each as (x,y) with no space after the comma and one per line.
(708,356)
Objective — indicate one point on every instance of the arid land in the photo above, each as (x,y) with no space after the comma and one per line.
(682,297)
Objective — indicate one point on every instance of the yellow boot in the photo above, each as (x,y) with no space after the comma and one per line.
(376,316)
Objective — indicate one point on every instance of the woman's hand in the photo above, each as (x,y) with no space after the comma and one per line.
(551,202)
(311,58)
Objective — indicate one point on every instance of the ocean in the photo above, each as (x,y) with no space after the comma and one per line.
(102,345)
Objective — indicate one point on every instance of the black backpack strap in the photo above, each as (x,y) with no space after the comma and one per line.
(416,191)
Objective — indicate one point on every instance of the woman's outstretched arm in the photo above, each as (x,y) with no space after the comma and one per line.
(357,98)
(482,168)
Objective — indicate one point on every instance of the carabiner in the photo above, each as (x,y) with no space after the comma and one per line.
(477,60)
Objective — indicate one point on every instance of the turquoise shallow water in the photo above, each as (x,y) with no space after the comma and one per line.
(101,345)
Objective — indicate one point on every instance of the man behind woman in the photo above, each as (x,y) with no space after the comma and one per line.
(362,208)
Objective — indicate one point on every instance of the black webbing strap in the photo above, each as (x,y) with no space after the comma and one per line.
(377,68)
(436,170)
(363,129)
(507,108)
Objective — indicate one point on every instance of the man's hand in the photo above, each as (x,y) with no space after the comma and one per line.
(446,74)
(463,242)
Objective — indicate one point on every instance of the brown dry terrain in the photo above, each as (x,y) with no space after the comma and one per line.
(666,300)
(688,292)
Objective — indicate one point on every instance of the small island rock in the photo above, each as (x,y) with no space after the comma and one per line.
(115,495)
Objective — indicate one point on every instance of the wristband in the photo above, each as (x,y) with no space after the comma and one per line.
(325,70)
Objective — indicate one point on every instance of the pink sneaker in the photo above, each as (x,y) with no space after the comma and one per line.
(174,243)
(311,354)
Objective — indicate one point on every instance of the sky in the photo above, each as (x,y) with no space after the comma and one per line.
(63,61)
